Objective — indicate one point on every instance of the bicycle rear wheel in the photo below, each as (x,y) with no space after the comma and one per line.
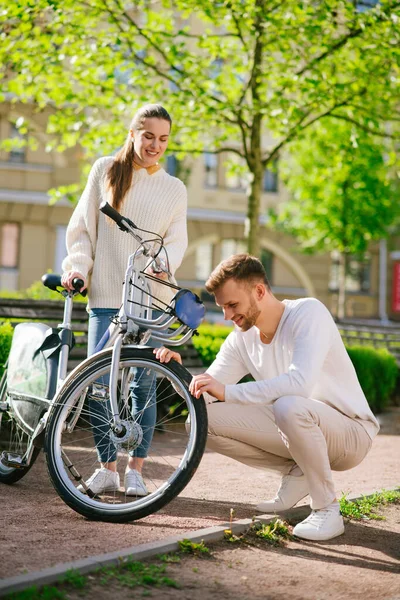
(14,439)
(176,448)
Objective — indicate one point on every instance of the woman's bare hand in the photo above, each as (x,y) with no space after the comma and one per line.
(68,277)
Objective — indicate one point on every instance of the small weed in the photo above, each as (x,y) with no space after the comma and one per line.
(192,548)
(229,536)
(274,533)
(169,558)
(195,570)
(364,507)
(75,579)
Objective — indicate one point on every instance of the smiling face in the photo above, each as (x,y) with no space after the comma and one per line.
(240,302)
(151,141)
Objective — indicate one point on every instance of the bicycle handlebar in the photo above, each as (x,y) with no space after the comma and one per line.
(128,226)
(78,284)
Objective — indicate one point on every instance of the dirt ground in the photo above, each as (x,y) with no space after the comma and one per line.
(39,530)
(364,563)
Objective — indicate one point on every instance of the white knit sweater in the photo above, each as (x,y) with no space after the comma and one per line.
(99,250)
(306,358)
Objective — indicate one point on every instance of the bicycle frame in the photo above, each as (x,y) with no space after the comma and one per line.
(134,327)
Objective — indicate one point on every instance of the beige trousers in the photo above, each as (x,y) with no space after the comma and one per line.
(294,430)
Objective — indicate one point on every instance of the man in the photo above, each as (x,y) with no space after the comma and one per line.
(304,414)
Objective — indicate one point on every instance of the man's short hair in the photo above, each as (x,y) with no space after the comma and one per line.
(241,267)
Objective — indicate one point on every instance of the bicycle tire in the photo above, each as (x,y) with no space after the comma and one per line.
(78,449)
(12,439)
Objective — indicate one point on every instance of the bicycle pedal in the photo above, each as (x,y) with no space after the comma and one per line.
(16,461)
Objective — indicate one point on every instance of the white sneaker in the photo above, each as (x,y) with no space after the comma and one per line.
(102,480)
(320,525)
(291,491)
(134,484)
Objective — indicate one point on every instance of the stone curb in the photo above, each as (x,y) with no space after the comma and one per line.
(170,544)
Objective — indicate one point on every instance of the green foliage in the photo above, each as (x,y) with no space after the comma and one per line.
(248,67)
(189,547)
(377,372)
(364,508)
(6,333)
(343,184)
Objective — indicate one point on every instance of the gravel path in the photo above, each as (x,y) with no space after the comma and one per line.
(39,530)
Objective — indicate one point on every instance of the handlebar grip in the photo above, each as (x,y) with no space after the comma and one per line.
(109,211)
(77,284)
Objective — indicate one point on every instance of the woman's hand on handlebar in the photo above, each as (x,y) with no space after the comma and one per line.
(158,274)
(165,355)
(68,277)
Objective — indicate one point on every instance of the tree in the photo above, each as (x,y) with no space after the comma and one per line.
(343,189)
(229,71)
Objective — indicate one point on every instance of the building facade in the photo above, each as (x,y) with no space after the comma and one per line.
(32,232)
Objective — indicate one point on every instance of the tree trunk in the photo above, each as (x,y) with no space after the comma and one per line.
(252,230)
(341,306)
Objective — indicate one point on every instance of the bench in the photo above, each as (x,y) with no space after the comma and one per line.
(378,336)
(50,312)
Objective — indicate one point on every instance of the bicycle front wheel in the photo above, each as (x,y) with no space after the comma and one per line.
(80,433)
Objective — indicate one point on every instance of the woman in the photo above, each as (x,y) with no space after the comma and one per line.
(134,184)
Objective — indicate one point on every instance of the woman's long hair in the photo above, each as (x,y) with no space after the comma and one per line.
(120,173)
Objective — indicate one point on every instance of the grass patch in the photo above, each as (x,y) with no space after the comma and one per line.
(188,547)
(365,507)
(75,579)
(47,592)
(135,574)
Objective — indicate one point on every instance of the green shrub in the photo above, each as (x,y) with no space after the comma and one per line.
(214,331)
(207,347)
(377,372)
(37,291)
(6,333)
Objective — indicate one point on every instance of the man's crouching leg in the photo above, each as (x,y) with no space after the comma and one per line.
(320,438)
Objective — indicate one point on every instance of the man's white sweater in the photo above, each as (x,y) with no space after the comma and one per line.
(99,250)
(306,358)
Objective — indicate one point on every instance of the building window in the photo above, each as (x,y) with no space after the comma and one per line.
(270,183)
(204,261)
(235,173)
(358,274)
(9,256)
(230,247)
(210,170)
(61,248)
(18,153)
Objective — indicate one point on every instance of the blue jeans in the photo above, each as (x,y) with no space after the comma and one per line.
(143,392)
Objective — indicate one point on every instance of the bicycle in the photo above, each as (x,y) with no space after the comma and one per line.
(43,407)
